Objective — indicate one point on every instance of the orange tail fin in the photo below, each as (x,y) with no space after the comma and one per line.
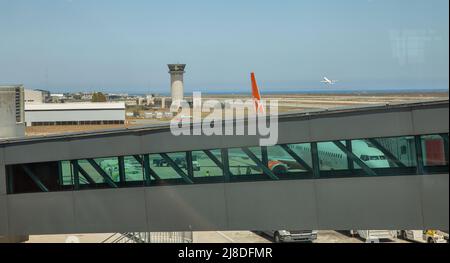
(259,107)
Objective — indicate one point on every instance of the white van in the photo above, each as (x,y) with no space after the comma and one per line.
(371,236)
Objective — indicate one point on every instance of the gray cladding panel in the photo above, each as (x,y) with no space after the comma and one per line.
(166,142)
(105,146)
(39,152)
(351,203)
(370,203)
(436,201)
(182,208)
(110,210)
(294,132)
(271,205)
(291,130)
(430,121)
(3,216)
(362,126)
(2,173)
(41,213)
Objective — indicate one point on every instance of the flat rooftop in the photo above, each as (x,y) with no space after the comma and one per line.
(75,106)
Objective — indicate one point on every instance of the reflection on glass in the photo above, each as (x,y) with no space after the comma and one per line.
(241,164)
(369,154)
(401,148)
(204,166)
(93,174)
(282,163)
(164,169)
(331,157)
(133,169)
(67,173)
(434,150)
(110,166)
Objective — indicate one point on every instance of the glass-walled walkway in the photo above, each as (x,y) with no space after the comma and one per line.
(407,155)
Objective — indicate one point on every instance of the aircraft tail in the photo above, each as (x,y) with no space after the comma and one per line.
(259,107)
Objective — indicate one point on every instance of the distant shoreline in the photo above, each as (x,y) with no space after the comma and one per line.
(440,92)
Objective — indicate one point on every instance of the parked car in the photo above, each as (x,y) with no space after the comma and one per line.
(280,236)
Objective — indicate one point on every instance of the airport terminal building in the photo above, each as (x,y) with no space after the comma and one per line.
(12,111)
(48,114)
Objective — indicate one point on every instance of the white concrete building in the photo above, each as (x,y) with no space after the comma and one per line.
(11,112)
(177,83)
(74,114)
(34,96)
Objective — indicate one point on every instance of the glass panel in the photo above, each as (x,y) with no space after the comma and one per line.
(402,148)
(281,162)
(241,164)
(133,169)
(87,167)
(434,150)
(370,155)
(331,158)
(67,173)
(110,166)
(203,166)
(163,169)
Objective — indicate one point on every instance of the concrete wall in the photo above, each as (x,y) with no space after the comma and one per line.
(177,86)
(33,96)
(404,202)
(74,115)
(8,126)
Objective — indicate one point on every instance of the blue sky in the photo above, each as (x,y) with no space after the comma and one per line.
(113,45)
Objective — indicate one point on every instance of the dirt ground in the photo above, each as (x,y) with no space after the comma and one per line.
(287,103)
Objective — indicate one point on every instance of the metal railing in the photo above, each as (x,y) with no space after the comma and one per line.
(150,237)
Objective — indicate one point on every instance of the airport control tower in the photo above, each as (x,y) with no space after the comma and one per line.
(176,80)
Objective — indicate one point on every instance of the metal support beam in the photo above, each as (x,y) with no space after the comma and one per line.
(60,174)
(177,169)
(76,174)
(419,155)
(34,178)
(121,161)
(315,160)
(295,156)
(226,165)
(355,158)
(445,138)
(215,160)
(350,163)
(138,159)
(387,153)
(189,165)
(259,163)
(85,174)
(148,171)
(102,173)
(264,156)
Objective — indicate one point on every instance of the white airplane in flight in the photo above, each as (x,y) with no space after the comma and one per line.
(328,81)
